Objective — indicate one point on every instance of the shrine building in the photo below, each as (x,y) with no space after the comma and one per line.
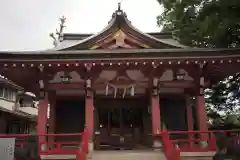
(124,85)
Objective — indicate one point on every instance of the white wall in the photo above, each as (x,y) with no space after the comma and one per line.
(29,110)
(10,106)
(5,104)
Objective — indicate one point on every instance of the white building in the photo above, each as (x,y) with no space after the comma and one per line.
(17,109)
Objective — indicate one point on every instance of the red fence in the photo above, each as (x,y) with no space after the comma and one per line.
(171,153)
(195,141)
(47,144)
(191,141)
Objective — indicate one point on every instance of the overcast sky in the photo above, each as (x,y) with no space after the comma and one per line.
(26,24)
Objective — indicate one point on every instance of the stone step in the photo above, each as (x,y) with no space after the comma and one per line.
(127,155)
(196,158)
(197,155)
(113,155)
(133,155)
(58,157)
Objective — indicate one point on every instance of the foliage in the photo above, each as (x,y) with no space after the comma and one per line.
(224,98)
(225,95)
(208,23)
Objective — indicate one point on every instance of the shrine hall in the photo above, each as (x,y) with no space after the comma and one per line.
(124,85)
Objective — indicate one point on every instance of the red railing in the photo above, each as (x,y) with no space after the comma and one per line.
(57,145)
(193,141)
(171,153)
(197,141)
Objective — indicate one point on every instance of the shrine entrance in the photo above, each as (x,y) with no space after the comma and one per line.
(120,125)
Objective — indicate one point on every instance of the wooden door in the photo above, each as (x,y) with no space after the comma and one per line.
(119,125)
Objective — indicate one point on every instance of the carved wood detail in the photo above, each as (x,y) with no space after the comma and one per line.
(119,39)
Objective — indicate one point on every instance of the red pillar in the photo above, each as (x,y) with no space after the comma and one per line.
(200,102)
(189,117)
(156,120)
(89,115)
(52,116)
(201,113)
(42,119)
(202,119)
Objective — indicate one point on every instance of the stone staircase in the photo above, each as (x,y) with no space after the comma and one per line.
(112,155)
(146,155)
(127,155)
(197,158)
(197,155)
(132,155)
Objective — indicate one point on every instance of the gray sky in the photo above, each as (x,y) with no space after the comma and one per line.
(26,24)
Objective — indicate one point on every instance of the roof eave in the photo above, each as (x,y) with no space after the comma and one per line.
(119,53)
(11,84)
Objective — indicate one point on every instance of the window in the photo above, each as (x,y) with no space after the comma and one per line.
(1,92)
(8,94)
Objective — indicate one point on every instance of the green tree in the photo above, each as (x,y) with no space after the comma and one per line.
(208,23)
